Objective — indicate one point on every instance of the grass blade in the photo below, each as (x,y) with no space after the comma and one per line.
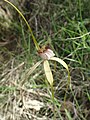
(68,115)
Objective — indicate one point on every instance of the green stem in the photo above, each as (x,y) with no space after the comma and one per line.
(68,85)
(34,40)
(52,91)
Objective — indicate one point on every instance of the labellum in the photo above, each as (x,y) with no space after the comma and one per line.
(45,52)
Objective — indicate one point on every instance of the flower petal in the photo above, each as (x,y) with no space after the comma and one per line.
(48,72)
(47,54)
(50,52)
(64,65)
(30,71)
(60,61)
(43,56)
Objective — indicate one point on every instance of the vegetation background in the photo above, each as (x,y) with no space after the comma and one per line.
(65,25)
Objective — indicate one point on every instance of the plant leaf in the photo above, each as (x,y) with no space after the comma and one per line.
(48,72)
(60,61)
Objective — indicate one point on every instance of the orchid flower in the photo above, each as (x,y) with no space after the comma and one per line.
(47,54)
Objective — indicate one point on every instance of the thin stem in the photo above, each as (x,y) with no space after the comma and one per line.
(68,85)
(34,40)
(52,91)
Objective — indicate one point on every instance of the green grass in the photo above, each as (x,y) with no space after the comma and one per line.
(65,25)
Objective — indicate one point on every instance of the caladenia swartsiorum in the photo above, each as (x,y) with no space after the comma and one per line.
(46,54)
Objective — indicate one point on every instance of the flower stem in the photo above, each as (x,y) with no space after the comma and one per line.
(53,100)
(68,84)
(33,37)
